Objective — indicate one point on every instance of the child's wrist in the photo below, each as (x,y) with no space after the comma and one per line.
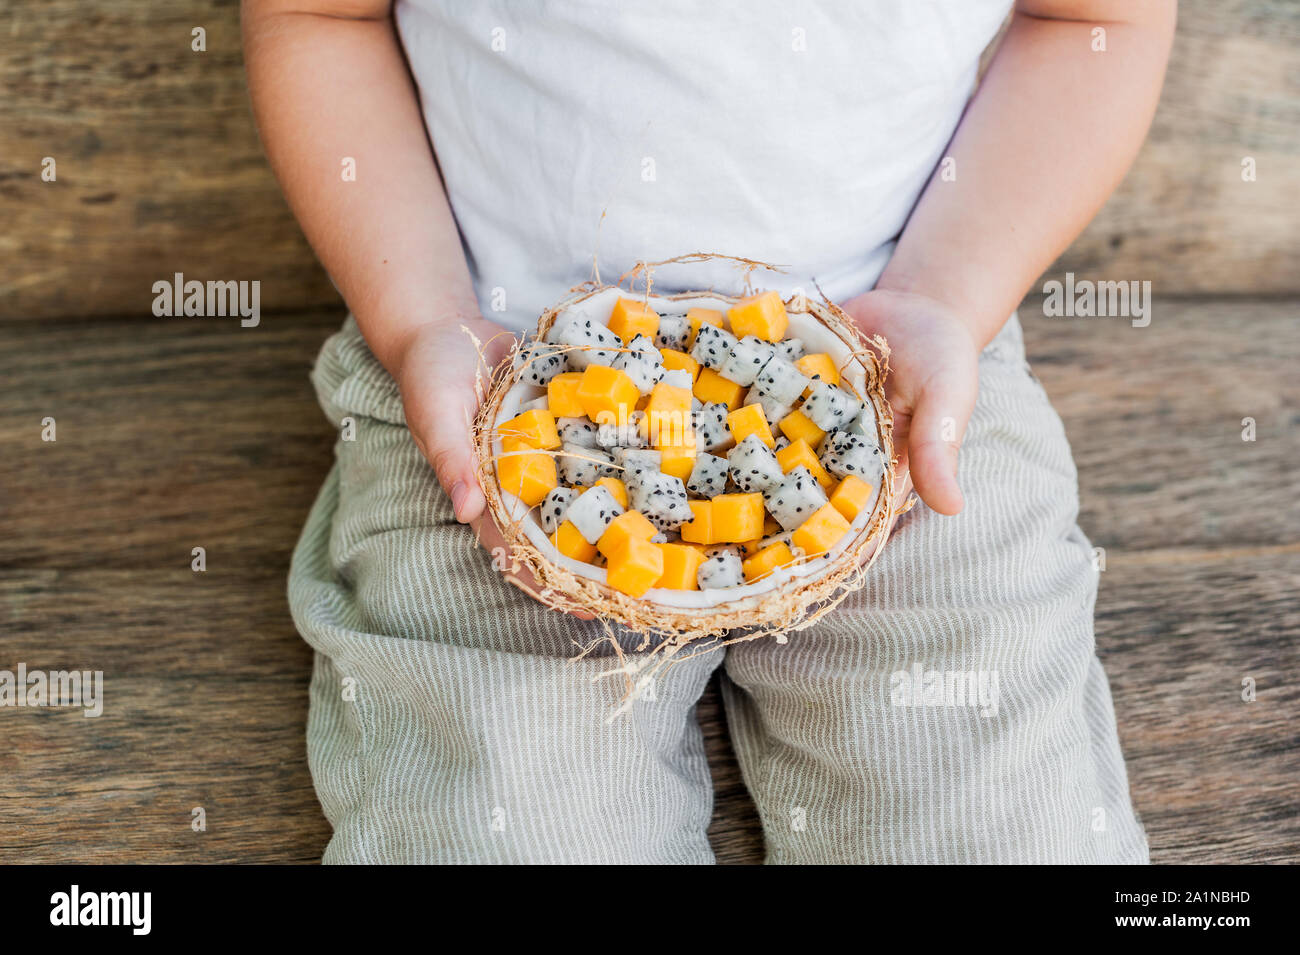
(393,344)
(905,283)
(963,302)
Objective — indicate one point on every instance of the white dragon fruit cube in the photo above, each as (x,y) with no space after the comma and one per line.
(781,381)
(753,465)
(747,358)
(723,570)
(713,346)
(791,349)
(784,537)
(674,331)
(625,434)
(539,362)
(592,512)
(579,432)
(635,433)
(642,363)
(660,497)
(632,460)
(717,549)
(830,407)
(844,453)
(708,475)
(583,466)
(795,498)
(864,425)
(586,342)
(678,378)
(553,507)
(710,421)
(537,404)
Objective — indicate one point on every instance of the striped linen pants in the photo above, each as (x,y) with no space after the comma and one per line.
(951,711)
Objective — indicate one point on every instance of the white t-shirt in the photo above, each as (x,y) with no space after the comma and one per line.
(799,134)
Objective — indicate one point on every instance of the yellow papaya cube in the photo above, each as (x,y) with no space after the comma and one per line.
(798,453)
(770,526)
(668,415)
(607,391)
(631,318)
(699,529)
(797,426)
(819,365)
(680,361)
(767,560)
(537,427)
(562,395)
(681,566)
(529,477)
(666,397)
(678,461)
(698,317)
(615,487)
(750,548)
(750,420)
(622,529)
(851,496)
(736,518)
(761,315)
(820,532)
(710,386)
(568,540)
(635,567)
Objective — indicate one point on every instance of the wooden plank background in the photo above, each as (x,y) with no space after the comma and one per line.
(158,162)
(179,433)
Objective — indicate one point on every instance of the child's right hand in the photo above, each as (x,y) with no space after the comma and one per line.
(436,374)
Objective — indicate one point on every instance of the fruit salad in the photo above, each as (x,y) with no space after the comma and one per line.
(695,451)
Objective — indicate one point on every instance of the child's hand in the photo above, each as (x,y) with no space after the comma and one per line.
(933,380)
(436,374)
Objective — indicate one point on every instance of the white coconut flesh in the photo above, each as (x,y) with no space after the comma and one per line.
(816,338)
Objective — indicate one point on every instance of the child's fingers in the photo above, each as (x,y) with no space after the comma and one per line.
(451,453)
(439,411)
(933,443)
(453,462)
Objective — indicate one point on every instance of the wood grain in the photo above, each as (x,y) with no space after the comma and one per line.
(205,699)
(1155,416)
(158,163)
(1184,219)
(160,171)
(179,432)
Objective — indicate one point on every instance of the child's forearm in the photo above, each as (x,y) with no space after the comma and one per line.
(1048,136)
(329,84)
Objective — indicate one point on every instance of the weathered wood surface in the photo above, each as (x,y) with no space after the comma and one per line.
(158,163)
(177,433)
(160,171)
(1184,219)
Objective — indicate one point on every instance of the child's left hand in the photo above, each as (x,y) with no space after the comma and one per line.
(933,380)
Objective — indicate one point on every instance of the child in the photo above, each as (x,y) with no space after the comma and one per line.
(451,160)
